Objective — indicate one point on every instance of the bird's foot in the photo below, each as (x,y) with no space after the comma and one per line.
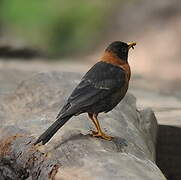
(102,135)
(94,132)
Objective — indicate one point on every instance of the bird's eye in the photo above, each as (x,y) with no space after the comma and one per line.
(124,50)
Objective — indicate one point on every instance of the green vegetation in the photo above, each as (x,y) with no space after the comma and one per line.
(59,27)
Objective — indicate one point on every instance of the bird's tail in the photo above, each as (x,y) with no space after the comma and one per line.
(47,135)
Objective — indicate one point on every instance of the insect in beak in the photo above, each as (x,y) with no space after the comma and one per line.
(131,45)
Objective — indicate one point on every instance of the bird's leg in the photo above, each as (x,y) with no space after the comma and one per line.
(91,117)
(100,133)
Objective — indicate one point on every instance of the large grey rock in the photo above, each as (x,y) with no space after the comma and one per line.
(131,155)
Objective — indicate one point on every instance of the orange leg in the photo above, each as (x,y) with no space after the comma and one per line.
(91,117)
(99,132)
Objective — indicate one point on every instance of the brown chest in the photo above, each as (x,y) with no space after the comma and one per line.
(113,59)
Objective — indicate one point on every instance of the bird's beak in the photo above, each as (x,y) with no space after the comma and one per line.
(131,45)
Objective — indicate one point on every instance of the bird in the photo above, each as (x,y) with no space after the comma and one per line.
(100,90)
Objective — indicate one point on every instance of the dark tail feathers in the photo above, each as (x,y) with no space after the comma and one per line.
(47,135)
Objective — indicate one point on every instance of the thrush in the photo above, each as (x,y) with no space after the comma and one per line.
(100,90)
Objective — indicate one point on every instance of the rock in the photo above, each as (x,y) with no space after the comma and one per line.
(9,78)
(20,159)
(130,155)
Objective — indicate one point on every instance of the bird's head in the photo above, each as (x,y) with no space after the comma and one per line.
(120,49)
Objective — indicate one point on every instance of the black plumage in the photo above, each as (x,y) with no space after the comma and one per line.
(94,93)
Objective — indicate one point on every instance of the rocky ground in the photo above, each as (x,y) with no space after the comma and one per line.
(29,108)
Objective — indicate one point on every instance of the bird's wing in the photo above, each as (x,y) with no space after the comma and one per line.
(100,81)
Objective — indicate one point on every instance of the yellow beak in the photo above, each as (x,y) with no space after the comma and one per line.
(131,44)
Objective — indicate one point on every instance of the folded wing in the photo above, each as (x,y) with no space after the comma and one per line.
(99,82)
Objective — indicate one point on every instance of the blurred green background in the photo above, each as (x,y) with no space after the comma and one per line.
(56,26)
(78,31)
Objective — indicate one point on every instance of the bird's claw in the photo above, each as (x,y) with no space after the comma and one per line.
(101,135)
(94,132)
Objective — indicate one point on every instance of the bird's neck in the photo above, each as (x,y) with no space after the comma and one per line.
(111,58)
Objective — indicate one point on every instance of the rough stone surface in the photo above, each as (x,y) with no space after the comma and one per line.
(20,159)
(131,155)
